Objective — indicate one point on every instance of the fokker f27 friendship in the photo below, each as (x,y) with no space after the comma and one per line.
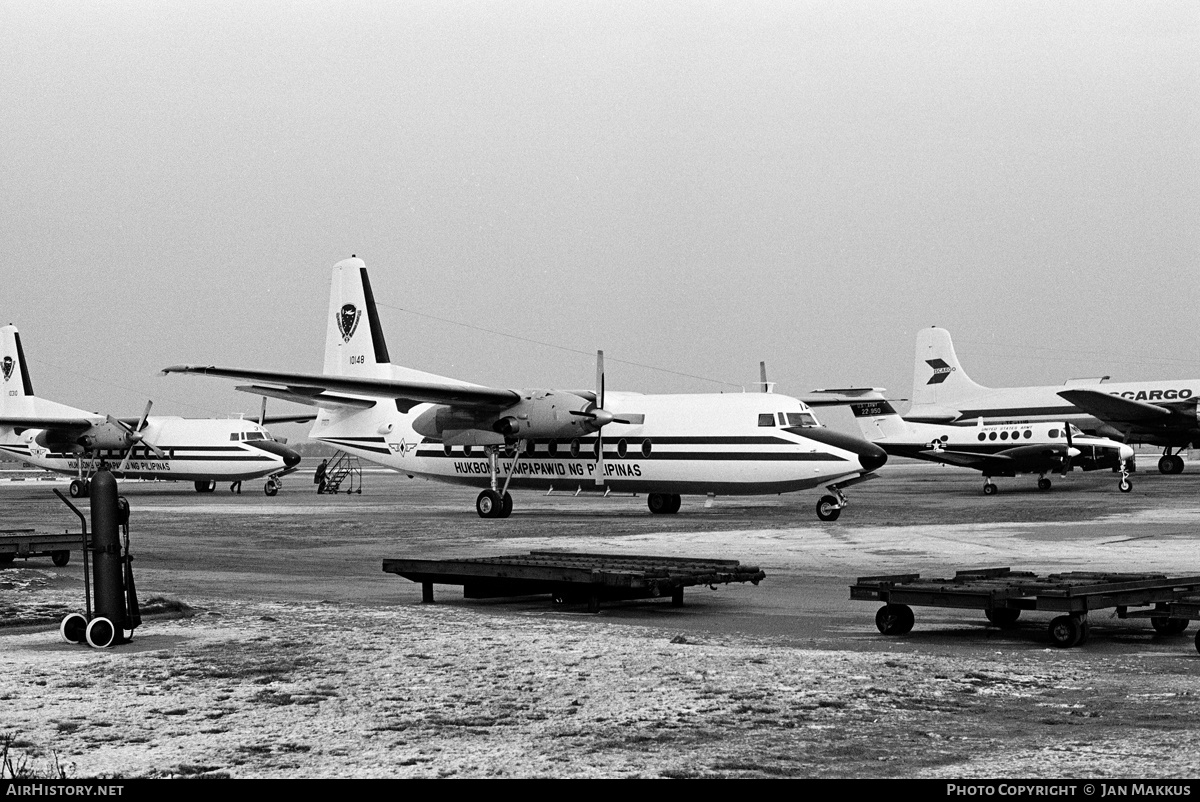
(665,446)
(76,442)
(1159,413)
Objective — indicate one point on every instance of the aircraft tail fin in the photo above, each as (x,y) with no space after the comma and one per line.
(354,342)
(878,419)
(14,372)
(938,378)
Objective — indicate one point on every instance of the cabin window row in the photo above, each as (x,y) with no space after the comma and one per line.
(1015,435)
(551,449)
(787,419)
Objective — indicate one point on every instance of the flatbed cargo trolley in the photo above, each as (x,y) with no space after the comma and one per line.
(1170,602)
(569,576)
(26,543)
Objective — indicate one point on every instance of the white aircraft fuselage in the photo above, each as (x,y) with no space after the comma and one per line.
(665,446)
(729,454)
(193,449)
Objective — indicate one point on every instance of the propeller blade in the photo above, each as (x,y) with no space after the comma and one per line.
(597,417)
(599,458)
(600,379)
(262,412)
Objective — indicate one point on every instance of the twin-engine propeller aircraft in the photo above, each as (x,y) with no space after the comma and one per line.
(1160,413)
(1003,449)
(76,442)
(574,440)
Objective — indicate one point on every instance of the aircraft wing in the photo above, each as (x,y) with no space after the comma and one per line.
(1116,410)
(67,424)
(969,459)
(320,390)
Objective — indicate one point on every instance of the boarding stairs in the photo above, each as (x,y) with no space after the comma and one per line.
(343,469)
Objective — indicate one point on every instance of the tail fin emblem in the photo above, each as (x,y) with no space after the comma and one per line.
(7,367)
(941,371)
(347,321)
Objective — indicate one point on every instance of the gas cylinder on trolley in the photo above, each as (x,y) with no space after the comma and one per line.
(114,614)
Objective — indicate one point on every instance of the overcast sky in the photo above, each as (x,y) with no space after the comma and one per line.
(690,186)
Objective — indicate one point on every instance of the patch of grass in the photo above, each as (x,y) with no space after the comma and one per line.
(21,767)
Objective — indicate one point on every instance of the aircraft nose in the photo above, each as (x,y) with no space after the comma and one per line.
(290,458)
(871,456)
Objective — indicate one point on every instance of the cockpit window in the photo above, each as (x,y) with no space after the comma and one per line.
(801,419)
(255,436)
(233,436)
(766,419)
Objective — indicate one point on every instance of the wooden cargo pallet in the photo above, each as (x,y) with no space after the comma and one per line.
(573,576)
(1002,594)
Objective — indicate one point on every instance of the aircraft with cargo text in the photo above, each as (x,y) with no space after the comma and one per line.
(665,446)
(76,442)
(1158,413)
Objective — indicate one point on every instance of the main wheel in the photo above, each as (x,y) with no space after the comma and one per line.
(1002,616)
(894,619)
(676,502)
(78,488)
(1169,626)
(989,489)
(61,557)
(8,557)
(100,633)
(828,509)
(73,628)
(1066,631)
(489,504)
(659,503)
(506,506)
(1043,484)
(205,486)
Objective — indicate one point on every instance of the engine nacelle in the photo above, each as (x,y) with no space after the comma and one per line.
(539,415)
(99,436)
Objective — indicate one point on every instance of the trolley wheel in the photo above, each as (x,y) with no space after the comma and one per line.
(1169,626)
(828,509)
(1067,631)
(61,557)
(489,504)
(1002,616)
(8,557)
(894,619)
(73,628)
(101,633)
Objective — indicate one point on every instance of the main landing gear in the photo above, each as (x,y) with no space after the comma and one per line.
(495,502)
(1170,463)
(663,503)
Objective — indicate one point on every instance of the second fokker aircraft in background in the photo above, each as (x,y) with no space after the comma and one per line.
(664,446)
(76,442)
